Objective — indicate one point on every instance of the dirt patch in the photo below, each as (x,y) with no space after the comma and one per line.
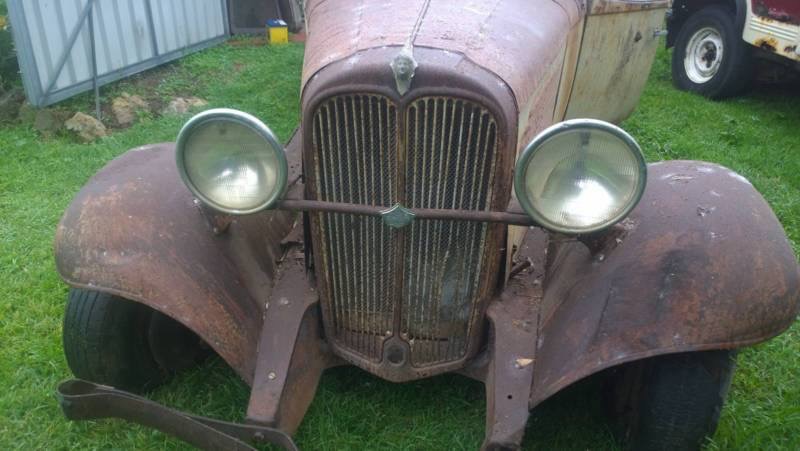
(156,87)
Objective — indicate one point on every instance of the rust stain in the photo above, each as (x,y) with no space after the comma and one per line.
(134,231)
(673,277)
(769,44)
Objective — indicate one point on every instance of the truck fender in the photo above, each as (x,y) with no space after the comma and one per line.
(137,232)
(701,263)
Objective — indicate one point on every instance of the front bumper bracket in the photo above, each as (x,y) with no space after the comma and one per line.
(82,400)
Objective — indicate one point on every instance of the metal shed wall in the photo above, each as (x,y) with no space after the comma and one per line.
(55,38)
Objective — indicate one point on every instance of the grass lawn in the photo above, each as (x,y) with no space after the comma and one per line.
(757,135)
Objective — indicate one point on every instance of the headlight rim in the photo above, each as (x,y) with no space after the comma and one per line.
(249,121)
(528,153)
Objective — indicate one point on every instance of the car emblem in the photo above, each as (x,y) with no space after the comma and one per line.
(398,216)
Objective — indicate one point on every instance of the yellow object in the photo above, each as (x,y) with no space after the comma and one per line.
(2,22)
(277,32)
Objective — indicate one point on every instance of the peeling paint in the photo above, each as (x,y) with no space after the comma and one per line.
(769,44)
(704,211)
(677,178)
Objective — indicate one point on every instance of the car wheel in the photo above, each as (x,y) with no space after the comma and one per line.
(113,341)
(710,57)
(670,402)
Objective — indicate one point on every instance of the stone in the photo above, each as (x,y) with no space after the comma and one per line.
(9,105)
(176,107)
(49,121)
(126,108)
(86,127)
(196,102)
(179,105)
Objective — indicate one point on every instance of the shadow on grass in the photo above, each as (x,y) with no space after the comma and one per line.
(440,413)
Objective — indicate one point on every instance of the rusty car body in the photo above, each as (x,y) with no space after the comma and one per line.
(359,277)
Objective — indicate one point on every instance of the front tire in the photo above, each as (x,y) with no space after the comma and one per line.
(671,402)
(113,341)
(710,57)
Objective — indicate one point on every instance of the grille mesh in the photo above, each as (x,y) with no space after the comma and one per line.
(449,155)
(355,138)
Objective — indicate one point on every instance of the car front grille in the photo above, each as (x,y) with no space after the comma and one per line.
(421,282)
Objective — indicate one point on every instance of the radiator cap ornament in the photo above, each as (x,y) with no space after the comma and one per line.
(398,216)
(404,66)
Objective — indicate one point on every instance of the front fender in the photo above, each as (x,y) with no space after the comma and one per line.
(136,231)
(701,263)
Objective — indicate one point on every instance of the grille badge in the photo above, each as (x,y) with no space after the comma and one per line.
(397,216)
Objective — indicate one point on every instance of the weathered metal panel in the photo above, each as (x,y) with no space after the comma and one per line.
(55,40)
(214,277)
(616,55)
(702,263)
(774,26)
(515,39)
(781,10)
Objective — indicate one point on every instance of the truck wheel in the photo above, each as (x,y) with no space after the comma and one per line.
(710,57)
(113,341)
(671,402)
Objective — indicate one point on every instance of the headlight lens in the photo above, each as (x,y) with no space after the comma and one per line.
(580,176)
(231,161)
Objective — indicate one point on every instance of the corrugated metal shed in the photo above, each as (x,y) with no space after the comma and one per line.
(69,46)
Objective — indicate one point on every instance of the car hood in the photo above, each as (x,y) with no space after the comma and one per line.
(517,40)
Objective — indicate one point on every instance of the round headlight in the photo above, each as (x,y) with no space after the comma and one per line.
(580,176)
(231,161)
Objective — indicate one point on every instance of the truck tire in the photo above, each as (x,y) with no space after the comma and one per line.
(710,57)
(670,402)
(113,341)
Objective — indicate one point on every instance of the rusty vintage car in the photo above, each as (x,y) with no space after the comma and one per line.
(456,200)
(722,45)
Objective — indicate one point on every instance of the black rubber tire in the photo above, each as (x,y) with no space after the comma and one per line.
(670,402)
(736,69)
(111,340)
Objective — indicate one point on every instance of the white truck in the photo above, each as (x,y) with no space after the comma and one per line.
(718,44)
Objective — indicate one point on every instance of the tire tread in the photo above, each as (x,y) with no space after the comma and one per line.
(105,341)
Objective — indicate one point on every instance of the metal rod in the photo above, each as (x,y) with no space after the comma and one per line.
(95,85)
(62,60)
(505,217)
(151,25)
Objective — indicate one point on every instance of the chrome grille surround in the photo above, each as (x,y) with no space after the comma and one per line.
(421,285)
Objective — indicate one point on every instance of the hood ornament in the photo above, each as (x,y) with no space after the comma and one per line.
(403,66)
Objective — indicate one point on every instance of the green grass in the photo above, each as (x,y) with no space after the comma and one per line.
(756,135)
